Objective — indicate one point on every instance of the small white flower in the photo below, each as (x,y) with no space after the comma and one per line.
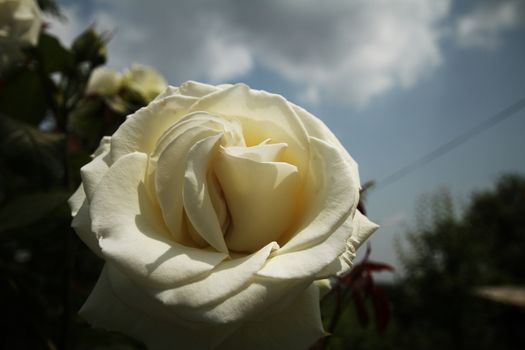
(145,81)
(104,81)
(20,22)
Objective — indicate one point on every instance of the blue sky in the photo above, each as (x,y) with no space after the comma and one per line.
(394,79)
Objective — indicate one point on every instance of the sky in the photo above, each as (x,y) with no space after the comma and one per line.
(394,79)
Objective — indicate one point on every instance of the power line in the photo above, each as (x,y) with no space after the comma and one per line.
(454,143)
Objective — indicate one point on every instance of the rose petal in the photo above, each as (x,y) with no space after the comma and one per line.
(169,179)
(324,285)
(262,198)
(93,171)
(190,121)
(82,225)
(76,200)
(263,116)
(142,129)
(105,309)
(104,81)
(196,198)
(227,278)
(260,298)
(329,195)
(308,262)
(296,327)
(196,89)
(264,152)
(168,91)
(315,127)
(363,229)
(131,232)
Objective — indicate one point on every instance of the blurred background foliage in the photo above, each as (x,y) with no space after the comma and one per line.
(50,123)
(449,257)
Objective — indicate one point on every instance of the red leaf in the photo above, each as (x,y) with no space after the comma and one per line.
(376,266)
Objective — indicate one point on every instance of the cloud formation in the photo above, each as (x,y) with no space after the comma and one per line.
(484,25)
(347,51)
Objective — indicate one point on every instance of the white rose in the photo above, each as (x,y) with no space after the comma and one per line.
(104,81)
(142,80)
(145,81)
(20,22)
(216,210)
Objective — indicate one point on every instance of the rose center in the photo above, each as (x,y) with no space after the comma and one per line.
(215,191)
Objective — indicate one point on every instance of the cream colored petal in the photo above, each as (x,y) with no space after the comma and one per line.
(259,299)
(144,80)
(341,265)
(27,22)
(330,196)
(76,200)
(93,171)
(255,300)
(262,116)
(316,128)
(262,197)
(131,232)
(169,178)
(362,230)
(297,327)
(197,201)
(142,129)
(103,145)
(82,225)
(106,309)
(196,89)
(324,285)
(265,152)
(222,282)
(104,81)
(188,122)
(309,262)
(168,91)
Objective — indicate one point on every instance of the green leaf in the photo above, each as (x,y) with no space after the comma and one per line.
(30,158)
(90,46)
(27,209)
(23,96)
(53,56)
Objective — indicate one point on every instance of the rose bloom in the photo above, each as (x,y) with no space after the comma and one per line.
(218,210)
(20,22)
(141,80)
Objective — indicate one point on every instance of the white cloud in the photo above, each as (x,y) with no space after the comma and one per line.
(484,26)
(348,51)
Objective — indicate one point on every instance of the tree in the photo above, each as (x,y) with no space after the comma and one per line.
(435,304)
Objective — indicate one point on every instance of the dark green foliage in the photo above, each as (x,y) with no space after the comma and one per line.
(53,57)
(23,96)
(46,273)
(90,47)
(30,159)
(434,304)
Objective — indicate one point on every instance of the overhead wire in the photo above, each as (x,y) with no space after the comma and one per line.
(452,144)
